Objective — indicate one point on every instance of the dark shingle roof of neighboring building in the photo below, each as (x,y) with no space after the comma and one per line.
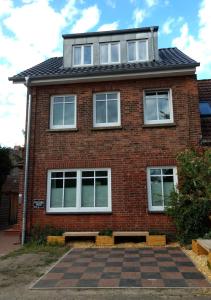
(204,89)
(169,58)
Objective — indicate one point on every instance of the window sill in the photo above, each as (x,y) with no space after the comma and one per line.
(159,125)
(107,128)
(62,129)
(79,213)
(156,212)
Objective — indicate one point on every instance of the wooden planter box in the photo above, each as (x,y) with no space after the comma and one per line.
(55,240)
(104,240)
(156,240)
(198,249)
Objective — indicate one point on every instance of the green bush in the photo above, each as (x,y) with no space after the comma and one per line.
(39,234)
(107,232)
(190,205)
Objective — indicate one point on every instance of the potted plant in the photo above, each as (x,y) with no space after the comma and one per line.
(156,238)
(105,238)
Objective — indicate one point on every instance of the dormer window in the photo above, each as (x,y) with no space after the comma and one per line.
(137,50)
(82,55)
(110,53)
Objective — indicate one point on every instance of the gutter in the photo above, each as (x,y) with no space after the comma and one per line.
(26,169)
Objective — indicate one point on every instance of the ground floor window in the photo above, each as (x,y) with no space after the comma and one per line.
(79,190)
(161,181)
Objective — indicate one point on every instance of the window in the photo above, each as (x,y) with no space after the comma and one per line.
(106,109)
(63,112)
(83,190)
(109,53)
(137,50)
(82,55)
(161,181)
(158,107)
(205,108)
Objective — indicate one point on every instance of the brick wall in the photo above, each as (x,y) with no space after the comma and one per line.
(127,151)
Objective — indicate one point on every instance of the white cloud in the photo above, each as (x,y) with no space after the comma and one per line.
(89,19)
(167,26)
(198,47)
(138,16)
(5,7)
(111,3)
(151,3)
(111,26)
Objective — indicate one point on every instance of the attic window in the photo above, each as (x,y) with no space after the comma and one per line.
(205,108)
(137,50)
(82,55)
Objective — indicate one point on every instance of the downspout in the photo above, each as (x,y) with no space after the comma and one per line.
(153,43)
(27,138)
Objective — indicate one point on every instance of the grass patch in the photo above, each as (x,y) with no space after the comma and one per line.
(53,251)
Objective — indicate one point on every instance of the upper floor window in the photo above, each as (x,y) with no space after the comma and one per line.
(106,109)
(82,55)
(137,50)
(109,53)
(63,112)
(161,182)
(158,107)
(205,108)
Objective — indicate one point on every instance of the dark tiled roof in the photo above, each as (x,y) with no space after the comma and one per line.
(204,89)
(169,58)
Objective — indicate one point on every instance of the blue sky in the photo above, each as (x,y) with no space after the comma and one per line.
(30,32)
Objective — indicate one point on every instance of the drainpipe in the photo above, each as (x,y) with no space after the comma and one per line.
(27,137)
(153,43)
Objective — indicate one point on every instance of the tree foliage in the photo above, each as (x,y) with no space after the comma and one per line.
(5,164)
(190,204)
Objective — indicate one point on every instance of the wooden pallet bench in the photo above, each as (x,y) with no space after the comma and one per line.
(201,246)
(81,234)
(130,233)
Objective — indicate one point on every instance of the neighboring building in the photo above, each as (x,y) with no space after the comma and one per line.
(10,190)
(205,110)
(107,122)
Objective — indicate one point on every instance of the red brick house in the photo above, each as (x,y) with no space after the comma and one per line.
(107,121)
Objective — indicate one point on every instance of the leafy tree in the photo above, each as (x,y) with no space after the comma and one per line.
(5,164)
(190,204)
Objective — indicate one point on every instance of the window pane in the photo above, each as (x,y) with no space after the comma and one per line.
(87,197)
(168,186)
(131,51)
(58,99)
(167,171)
(104,53)
(112,96)
(205,108)
(69,114)
(88,174)
(69,98)
(56,193)
(142,53)
(77,55)
(155,171)
(100,96)
(70,174)
(87,55)
(150,109)
(70,193)
(112,111)
(100,111)
(114,52)
(163,106)
(156,191)
(101,173)
(101,192)
(57,174)
(58,114)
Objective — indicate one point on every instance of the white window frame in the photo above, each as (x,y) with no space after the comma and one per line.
(164,121)
(82,55)
(107,124)
(136,46)
(109,53)
(51,113)
(175,178)
(78,208)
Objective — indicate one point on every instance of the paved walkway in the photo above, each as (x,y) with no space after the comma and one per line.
(123,267)
(8,243)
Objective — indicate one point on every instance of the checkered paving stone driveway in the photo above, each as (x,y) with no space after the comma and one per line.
(123,267)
